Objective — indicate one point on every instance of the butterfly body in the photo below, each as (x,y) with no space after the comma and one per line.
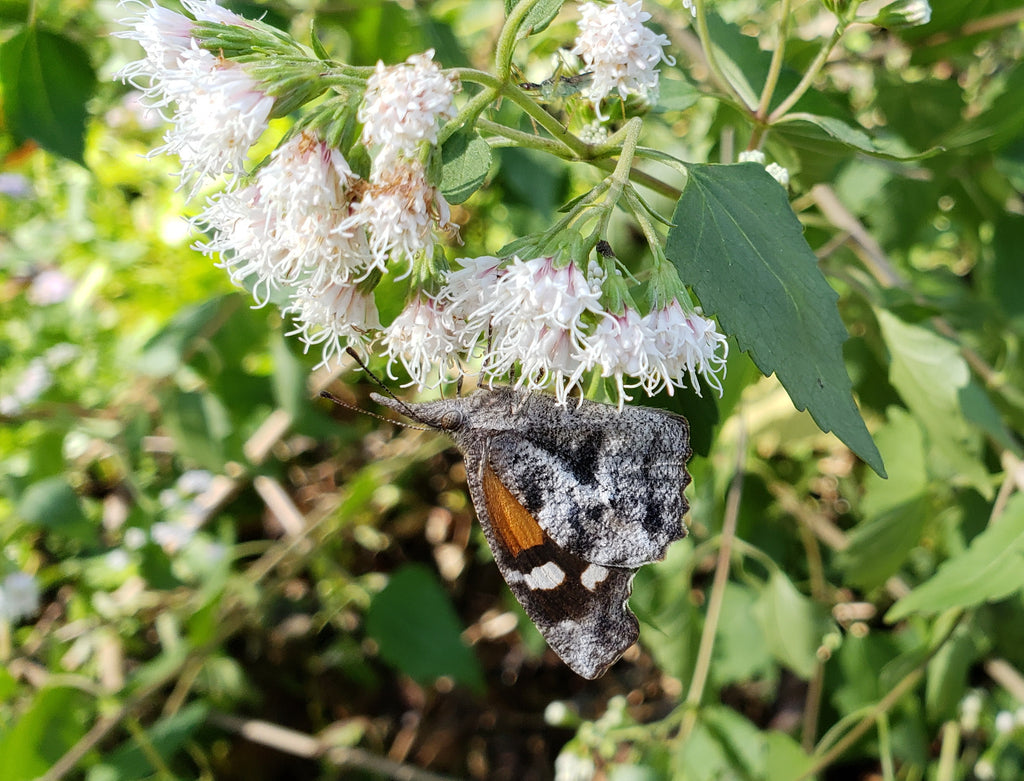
(573,499)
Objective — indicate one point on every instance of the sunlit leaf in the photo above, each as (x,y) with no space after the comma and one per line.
(990,569)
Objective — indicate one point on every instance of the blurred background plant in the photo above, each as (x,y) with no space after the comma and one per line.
(203,574)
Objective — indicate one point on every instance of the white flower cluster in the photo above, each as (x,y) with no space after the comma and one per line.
(402,107)
(545,323)
(216,109)
(619,52)
(19,597)
(308,223)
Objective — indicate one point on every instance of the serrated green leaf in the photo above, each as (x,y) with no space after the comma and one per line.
(738,243)
(855,138)
(465,161)
(929,373)
(990,569)
(417,630)
(47,80)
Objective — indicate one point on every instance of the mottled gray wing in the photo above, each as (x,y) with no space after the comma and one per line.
(607,486)
(579,607)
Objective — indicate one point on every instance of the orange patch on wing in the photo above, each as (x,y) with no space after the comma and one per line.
(513,522)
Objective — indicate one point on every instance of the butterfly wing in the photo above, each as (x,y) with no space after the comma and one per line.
(579,607)
(606,486)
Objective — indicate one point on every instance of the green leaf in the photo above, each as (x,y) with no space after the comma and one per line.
(165,738)
(791,623)
(785,758)
(812,126)
(465,160)
(902,444)
(670,622)
(200,424)
(54,721)
(739,654)
(879,546)
(738,243)
(537,18)
(947,674)
(47,80)
(53,504)
(164,353)
(416,628)
(990,569)
(929,373)
(676,94)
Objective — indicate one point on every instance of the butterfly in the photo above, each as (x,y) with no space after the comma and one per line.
(573,499)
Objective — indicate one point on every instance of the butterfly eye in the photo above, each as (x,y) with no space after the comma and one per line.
(452,420)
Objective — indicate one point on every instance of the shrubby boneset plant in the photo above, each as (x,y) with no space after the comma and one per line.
(360,192)
(333,210)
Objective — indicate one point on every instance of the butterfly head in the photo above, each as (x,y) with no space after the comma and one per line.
(448,415)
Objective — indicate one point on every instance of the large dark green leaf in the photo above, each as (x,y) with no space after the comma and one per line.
(47,80)
(738,243)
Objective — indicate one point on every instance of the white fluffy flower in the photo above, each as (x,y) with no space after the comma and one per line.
(622,345)
(291,224)
(421,338)
(334,316)
(688,345)
(218,111)
(403,105)
(399,211)
(535,311)
(621,54)
(464,295)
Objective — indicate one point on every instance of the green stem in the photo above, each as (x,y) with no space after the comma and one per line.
(702,666)
(776,66)
(883,706)
(506,136)
(509,38)
(469,113)
(709,53)
(809,76)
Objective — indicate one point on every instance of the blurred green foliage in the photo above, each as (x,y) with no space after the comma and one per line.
(324,575)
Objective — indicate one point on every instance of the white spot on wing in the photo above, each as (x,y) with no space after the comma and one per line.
(545,577)
(593,575)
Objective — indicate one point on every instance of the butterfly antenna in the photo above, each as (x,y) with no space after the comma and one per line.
(328,395)
(383,386)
